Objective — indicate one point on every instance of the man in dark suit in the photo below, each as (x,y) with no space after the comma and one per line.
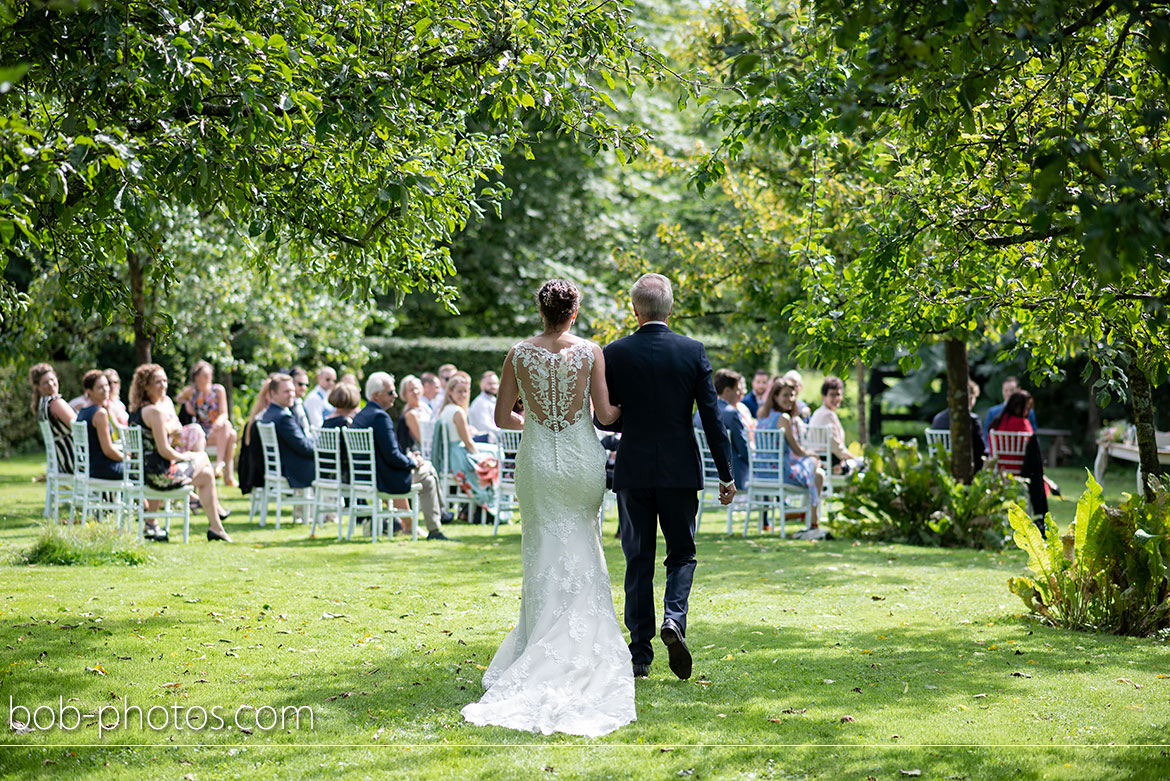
(397,471)
(296,449)
(657,376)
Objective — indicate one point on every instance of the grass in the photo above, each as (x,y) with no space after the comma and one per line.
(924,649)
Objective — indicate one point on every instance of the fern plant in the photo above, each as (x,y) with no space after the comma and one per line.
(1109,574)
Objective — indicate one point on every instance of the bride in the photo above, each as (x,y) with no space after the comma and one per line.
(565,667)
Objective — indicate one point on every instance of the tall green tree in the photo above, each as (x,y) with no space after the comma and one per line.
(357,134)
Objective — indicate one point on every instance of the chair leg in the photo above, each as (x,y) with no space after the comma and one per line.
(414,500)
(186,521)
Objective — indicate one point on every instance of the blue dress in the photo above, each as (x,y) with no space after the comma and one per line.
(100,465)
(797,471)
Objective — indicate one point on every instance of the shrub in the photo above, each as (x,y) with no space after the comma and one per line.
(91,543)
(1108,574)
(904,496)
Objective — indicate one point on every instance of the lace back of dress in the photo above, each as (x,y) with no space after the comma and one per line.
(554,386)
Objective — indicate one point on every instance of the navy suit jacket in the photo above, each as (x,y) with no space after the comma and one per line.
(392,467)
(737,433)
(296,449)
(657,377)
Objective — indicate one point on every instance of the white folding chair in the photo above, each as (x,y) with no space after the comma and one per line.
(938,441)
(139,492)
(819,440)
(766,487)
(364,496)
(96,494)
(58,484)
(509,444)
(1008,448)
(710,483)
(449,491)
(275,484)
(328,489)
(426,432)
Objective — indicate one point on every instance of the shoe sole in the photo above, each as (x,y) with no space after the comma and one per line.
(679,654)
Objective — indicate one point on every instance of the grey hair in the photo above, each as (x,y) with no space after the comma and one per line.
(376,383)
(652,297)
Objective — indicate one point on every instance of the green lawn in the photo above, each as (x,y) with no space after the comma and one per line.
(829,660)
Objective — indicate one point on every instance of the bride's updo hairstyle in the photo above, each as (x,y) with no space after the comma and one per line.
(558,300)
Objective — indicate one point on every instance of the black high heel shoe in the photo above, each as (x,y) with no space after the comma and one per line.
(213,535)
(224,513)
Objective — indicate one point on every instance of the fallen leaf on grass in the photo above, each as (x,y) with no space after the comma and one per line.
(876,598)
(335,696)
(327,615)
(977,696)
(19,727)
(795,711)
(845,719)
(856,689)
(1018,674)
(665,749)
(1131,683)
(97,668)
(914,772)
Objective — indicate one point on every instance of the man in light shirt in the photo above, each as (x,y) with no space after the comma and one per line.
(317,406)
(481,413)
(446,372)
(832,393)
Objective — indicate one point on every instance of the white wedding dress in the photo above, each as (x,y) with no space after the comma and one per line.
(565,667)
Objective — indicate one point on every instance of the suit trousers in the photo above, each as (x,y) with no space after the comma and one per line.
(427,479)
(641,511)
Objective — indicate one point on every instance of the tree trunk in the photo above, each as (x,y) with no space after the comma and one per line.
(1093,423)
(143,341)
(960,410)
(862,425)
(1142,403)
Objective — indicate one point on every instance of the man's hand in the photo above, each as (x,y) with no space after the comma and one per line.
(726,493)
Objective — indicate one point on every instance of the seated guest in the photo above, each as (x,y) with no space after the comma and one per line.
(444,375)
(118,412)
(317,406)
(300,379)
(416,411)
(760,381)
(349,378)
(344,400)
(432,390)
(164,467)
(943,421)
(479,470)
(1010,385)
(105,460)
(803,411)
(481,413)
(800,467)
(397,471)
(1014,417)
(832,392)
(47,404)
(296,449)
(251,468)
(206,403)
(729,387)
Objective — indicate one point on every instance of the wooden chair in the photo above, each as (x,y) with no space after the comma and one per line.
(509,444)
(711,485)
(140,492)
(766,487)
(938,441)
(276,487)
(364,496)
(58,484)
(96,494)
(328,489)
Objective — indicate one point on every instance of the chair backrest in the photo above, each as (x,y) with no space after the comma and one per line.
(938,440)
(1162,439)
(768,456)
(359,444)
(710,471)
(132,456)
(326,454)
(52,469)
(271,453)
(80,431)
(819,440)
(509,443)
(1009,448)
(426,432)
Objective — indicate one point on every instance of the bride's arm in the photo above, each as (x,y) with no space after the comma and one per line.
(506,416)
(606,412)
